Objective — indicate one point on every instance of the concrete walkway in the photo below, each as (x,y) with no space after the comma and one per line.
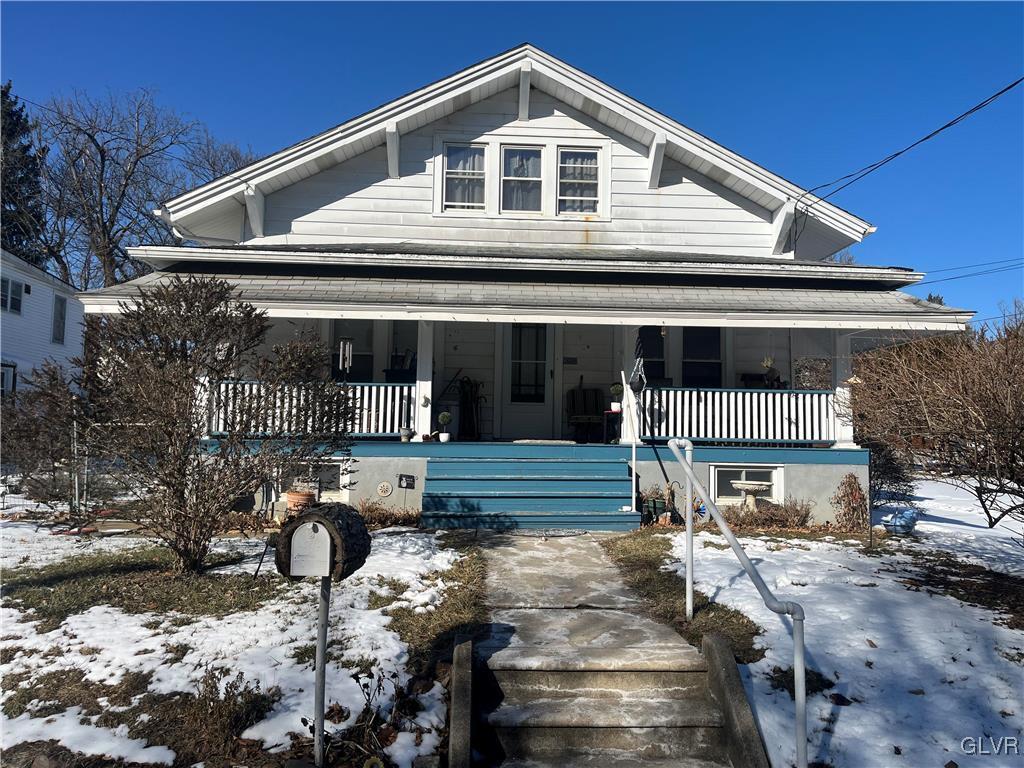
(561,600)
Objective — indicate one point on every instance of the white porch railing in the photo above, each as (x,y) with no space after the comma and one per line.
(379,410)
(741,415)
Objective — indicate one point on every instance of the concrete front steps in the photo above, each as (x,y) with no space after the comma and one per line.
(528,489)
(555,691)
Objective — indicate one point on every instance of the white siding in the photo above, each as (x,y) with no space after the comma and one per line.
(26,339)
(355,201)
(468,351)
(588,351)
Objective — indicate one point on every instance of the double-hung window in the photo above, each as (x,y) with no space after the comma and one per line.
(577,180)
(702,357)
(465,177)
(10,295)
(521,179)
(60,316)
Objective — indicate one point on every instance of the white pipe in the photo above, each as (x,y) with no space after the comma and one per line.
(689,535)
(794,610)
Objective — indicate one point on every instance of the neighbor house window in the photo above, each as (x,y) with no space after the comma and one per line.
(10,295)
(60,316)
(577,180)
(723,478)
(702,358)
(8,377)
(521,179)
(464,177)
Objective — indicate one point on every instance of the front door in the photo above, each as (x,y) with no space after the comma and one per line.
(528,391)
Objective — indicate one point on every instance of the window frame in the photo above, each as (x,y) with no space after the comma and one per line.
(502,178)
(493,143)
(9,378)
(685,358)
(61,301)
(558,184)
(7,295)
(778,494)
(461,208)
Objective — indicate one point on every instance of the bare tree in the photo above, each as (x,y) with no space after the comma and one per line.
(108,163)
(956,403)
(153,377)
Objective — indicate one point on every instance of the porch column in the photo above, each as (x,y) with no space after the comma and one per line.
(842,372)
(628,433)
(423,407)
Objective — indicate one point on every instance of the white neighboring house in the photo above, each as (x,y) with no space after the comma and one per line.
(40,319)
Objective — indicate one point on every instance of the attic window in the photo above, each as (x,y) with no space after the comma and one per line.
(577,180)
(521,179)
(464,177)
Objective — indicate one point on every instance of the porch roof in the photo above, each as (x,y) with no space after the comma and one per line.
(479,300)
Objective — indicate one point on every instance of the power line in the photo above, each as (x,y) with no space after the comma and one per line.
(971,274)
(970,266)
(853,178)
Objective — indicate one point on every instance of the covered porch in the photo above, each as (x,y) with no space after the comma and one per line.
(504,381)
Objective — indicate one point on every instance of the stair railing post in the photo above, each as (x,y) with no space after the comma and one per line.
(689,534)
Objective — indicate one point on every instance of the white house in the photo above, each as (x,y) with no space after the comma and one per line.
(40,319)
(495,243)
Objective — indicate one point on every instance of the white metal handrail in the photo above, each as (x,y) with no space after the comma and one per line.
(793,610)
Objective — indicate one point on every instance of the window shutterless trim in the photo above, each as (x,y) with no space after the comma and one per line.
(446,174)
(594,199)
(502,178)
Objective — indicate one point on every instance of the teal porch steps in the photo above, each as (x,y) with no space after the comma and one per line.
(507,492)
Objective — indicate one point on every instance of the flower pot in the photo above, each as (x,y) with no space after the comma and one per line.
(616,407)
(406,434)
(299,500)
(444,437)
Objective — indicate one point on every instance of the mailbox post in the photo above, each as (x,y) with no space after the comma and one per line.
(329,541)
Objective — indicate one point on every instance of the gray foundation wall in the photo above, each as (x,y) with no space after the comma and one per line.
(816,483)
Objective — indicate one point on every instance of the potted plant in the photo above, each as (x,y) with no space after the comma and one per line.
(444,418)
(616,390)
(406,434)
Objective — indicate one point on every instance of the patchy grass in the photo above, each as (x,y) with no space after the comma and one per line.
(640,556)
(136,581)
(945,574)
(430,634)
(376,514)
(201,726)
(385,597)
(783,679)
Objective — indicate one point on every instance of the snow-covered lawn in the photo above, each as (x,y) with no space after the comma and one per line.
(917,672)
(107,643)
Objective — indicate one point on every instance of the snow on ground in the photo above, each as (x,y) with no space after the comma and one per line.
(952,521)
(27,543)
(923,672)
(260,644)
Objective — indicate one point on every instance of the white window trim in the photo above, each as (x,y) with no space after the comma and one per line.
(57,299)
(778,481)
(558,182)
(11,282)
(502,178)
(443,158)
(549,181)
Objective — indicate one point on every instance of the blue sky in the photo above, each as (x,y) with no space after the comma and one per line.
(810,91)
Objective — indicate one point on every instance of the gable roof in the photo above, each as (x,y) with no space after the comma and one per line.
(547,73)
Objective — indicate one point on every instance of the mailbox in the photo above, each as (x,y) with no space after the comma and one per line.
(325,540)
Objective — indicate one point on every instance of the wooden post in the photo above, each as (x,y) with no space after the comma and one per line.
(842,371)
(423,421)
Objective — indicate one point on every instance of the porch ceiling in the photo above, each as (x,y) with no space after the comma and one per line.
(566,302)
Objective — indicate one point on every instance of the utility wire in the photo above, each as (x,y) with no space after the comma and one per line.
(971,274)
(971,266)
(853,178)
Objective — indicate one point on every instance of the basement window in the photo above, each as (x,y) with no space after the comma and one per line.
(722,478)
